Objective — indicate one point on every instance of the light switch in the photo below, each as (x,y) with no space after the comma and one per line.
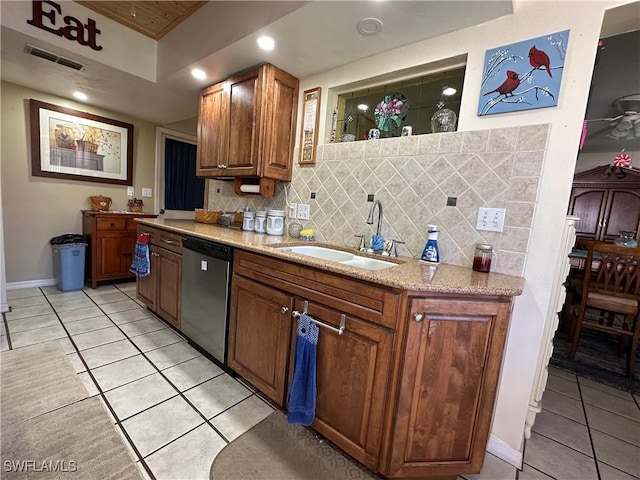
(303,211)
(131,191)
(490,219)
(146,192)
(204,265)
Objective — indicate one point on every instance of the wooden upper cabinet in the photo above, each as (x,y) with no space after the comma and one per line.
(213,130)
(606,204)
(246,126)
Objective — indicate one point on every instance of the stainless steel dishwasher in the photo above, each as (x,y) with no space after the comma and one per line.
(206,278)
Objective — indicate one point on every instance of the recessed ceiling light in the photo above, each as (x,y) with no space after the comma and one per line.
(369,26)
(199,74)
(80,95)
(363,107)
(448,91)
(266,43)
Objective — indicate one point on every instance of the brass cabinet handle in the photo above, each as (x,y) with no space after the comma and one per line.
(154,254)
(418,317)
(284,309)
(170,242)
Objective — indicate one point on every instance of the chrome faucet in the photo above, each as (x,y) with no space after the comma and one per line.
(370,217)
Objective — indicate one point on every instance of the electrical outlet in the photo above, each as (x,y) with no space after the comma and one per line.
(303,211)
(146,192)
(491,219)
(293,210)
(131,191)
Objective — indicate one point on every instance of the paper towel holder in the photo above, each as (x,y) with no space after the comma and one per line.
(266,186)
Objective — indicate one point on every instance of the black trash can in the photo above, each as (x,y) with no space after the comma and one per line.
(69,251)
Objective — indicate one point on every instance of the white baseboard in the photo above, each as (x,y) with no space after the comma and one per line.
(504,451)
(45,282)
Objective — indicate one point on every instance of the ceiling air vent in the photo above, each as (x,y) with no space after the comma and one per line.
(52,57)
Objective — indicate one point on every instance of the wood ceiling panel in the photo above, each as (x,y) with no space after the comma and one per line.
(153,19)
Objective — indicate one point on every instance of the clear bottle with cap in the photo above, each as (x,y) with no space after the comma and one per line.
(430,252)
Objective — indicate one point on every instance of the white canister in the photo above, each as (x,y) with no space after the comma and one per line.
(275,222)
(260,221)
(248,221)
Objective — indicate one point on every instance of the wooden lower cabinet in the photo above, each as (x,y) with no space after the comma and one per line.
(408,389)
(352,375)
(447,387)
(161,291)
(259,335)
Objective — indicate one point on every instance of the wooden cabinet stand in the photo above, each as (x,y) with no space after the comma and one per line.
(112,239)
(161,291)
(605,204)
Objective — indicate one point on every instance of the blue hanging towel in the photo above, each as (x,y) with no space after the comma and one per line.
(140,263)
(302,394)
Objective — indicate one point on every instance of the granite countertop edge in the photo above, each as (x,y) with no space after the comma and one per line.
(411,274)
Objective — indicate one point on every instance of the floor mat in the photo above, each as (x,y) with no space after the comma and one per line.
(77,441)
(41,368)
(274,449)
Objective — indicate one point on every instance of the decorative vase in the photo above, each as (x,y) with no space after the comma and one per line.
(444,120)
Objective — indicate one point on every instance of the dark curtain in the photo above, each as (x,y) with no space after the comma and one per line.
(182,189)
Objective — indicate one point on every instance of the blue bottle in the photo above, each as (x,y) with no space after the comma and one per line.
(430,252)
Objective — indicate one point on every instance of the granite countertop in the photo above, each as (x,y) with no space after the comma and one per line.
(410,274)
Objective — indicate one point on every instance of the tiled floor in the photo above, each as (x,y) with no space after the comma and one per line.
(177,410)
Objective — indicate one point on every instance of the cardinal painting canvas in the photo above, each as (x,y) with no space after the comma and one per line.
(523,75)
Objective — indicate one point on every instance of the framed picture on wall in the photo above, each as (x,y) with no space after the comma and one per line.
(75,145)
(523,75)
(309,135)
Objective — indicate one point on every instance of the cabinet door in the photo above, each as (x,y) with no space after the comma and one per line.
(146,287)
(244,110)
(259,334)
(114,255)
(453,353)
(213,131)
(352,374)
(279,124)
(622,213)
(169,285)
(588,204)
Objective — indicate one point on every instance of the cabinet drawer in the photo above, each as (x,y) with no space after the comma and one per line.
(154,234)
(168,240)
(132,225)
(111,224)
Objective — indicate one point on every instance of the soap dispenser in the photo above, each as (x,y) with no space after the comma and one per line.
(430,252)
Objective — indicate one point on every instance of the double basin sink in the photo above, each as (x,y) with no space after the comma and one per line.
(339,256)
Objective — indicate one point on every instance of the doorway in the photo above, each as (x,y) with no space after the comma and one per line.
(166,143)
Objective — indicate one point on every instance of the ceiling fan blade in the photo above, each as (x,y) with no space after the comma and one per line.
(597,133)
(613,119)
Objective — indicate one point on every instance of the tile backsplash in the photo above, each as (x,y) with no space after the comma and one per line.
(413,177)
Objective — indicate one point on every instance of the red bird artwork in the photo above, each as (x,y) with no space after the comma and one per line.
(539,59)
(508,86)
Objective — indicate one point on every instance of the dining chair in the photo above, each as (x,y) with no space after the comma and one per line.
(611,286)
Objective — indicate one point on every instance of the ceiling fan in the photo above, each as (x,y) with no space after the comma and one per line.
(625,126)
